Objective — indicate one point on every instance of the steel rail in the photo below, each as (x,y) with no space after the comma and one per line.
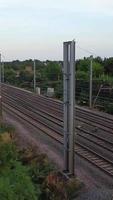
(89,115)
(84,118)
(52,129)
(48,120)
(99,161)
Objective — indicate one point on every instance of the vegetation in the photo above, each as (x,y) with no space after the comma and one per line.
(28,175)
(17,72)
(15,181)
(49,74)
(102,82)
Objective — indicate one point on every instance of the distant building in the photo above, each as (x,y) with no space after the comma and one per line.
(17,74)
(45,63)
(28,68)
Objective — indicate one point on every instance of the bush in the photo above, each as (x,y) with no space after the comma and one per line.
(40,168)
(15,180)
(26,174)
(8,153)
(16,184)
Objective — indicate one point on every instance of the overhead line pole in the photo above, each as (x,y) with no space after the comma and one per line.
(0,89)
(69,104)
(2,72)
(72,108)
(34,69)
(91,79)
(66,107)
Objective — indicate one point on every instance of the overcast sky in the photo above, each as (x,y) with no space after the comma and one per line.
(37,28)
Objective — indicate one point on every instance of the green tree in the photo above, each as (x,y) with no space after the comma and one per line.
(108,65)
(98,69)
(26,76)
(83,64)
(53,71)
(10,76)
(81,75)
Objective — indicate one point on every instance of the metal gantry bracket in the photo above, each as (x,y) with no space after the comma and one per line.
(69,103)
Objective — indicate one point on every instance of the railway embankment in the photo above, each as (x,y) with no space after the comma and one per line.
(42,122)
(27,173)
(97,184)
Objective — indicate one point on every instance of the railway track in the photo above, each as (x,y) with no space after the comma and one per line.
(41,113)
(52,106)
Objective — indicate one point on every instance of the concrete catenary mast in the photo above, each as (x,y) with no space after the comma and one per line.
(69,105)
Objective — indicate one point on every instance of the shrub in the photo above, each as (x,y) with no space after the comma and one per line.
(16,184)
(8,153)
(15,180)
(40,168)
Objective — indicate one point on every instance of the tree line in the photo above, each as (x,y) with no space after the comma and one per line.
(18,72)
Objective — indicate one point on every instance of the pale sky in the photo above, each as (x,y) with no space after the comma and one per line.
(37,28)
